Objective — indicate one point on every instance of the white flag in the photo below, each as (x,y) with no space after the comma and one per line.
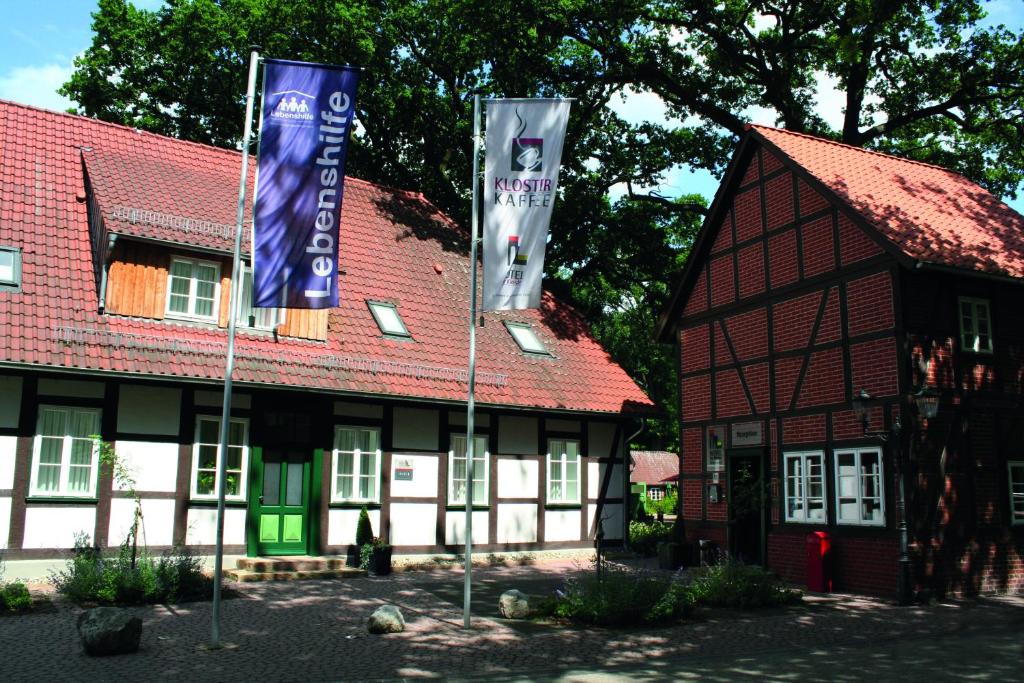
(524,152)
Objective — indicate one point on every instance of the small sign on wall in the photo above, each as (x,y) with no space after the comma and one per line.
(403,469)
(716,448)
(747,434)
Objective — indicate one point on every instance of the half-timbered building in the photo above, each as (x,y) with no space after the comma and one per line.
(823,270)
(115,265)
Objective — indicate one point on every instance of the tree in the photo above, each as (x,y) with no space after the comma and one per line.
(923,80)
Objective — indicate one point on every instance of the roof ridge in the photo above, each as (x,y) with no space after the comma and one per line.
(854,148)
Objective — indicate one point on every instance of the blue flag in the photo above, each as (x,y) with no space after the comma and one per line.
(307,113)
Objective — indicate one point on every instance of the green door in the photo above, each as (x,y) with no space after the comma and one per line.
(282,506)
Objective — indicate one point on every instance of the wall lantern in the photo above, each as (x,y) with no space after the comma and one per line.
(927,401)
(862,401)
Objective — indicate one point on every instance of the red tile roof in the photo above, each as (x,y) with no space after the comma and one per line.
(654,467)
(395,247)
(929,213)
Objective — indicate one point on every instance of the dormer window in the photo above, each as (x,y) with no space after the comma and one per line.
(975,325)
(388,320)
(526,338)
(193,289)
(257,318)
(10,269)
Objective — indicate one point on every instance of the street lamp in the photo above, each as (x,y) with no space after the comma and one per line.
(927,401)
(861,404)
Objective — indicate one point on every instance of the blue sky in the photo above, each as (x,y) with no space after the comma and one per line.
(41,38)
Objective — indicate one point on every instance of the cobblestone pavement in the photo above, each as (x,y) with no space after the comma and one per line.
(315,631)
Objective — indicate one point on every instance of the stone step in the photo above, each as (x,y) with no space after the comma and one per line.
(291,564)
(247,575)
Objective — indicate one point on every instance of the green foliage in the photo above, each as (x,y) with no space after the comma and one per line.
(622,597)
(734,584)
(644,537)
(367,550)
(364,530)
(666,506)
(14,597)
(128,579)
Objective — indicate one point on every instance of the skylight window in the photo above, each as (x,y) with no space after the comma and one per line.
(388,320)
(10,268)
(526,338)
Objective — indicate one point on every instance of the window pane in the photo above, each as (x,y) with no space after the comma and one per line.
(81,451)
(181,269)
(205,482)
(344,485)
(479,492)
(556,470)
(571,490)
(345,440)
(271,483)
(204,307)
(388,319)
(207,457)
(526,339)
(6,266)
(366,487)
(209,431)
(205,275)
(48,477)
(234,458)
(85,423)
(571,466)
(78,479)
(293,487)
(233,484)
(236,433)
(50,450)
(345,464)
(370,467)
(54,422)
(459,490)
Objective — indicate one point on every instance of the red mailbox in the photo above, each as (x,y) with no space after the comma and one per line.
(819,574)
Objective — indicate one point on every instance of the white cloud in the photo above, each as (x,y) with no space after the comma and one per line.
(830,103)
(36,85)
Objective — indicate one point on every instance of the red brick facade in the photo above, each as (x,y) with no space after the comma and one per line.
(796,308)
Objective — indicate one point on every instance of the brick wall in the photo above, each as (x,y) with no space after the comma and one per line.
(695,348)
(869,304)
(778,197)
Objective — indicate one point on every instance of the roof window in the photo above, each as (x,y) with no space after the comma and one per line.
(388,320)
(526,338)
(10,269)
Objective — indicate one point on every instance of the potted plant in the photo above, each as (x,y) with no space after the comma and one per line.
(375,557)
(364,535)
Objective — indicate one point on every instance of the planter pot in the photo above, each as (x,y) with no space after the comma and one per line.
(380,561)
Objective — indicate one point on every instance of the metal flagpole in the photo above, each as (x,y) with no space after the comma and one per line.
(472,368)
(233,301)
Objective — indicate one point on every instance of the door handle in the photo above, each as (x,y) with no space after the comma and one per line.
(261,500)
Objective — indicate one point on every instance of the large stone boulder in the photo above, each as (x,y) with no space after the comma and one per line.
(386,619)
(109,631)
(514,604)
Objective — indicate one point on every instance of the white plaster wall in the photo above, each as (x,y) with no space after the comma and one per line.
(341,525)
(595,472)
(458,417)
(518,478)
(413,523)
(612,515)
(5,520)
(517,435)
(157,521)
(55,527)
(557,425)
(517,523)
(153,465)
(455,527)
(595,475)
(562,525)
(415,428)
(600,436)
(424,476)
(202,526)
(70,387)
(148,410)
(8,447)
(368,410)
(216,399)
(10,400)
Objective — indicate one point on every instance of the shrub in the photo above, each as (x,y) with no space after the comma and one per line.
(734,584)
(622,597)
(666,506)
(130,578)
(364,530)
(644,537)
(14,597)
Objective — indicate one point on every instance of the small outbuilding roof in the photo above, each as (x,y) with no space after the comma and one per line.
(653,467)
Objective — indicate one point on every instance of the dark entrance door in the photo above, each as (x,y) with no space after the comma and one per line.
(746,507)
(282,506)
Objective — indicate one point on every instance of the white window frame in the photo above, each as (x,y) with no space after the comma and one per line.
(970,338)
(655,493)
(194,473)
(458,443)
(798,490)
(360,466)
(14,284)
(65,461)
(564,459)
(256,318)
(1016,490)
(190,314)
(857,452)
